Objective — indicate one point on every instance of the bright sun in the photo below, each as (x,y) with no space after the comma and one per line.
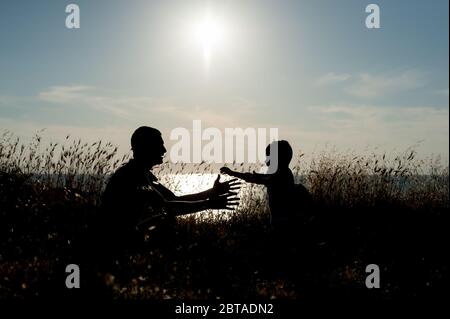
(210,35)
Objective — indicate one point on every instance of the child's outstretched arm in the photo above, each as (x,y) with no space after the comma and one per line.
(248,177)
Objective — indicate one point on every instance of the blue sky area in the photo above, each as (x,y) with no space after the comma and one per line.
(310,68)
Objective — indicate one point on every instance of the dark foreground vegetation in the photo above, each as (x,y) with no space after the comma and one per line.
(375,209)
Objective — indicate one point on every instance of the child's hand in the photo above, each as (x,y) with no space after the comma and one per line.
(226,171)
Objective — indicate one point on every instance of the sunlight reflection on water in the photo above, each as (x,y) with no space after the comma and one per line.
(182,184)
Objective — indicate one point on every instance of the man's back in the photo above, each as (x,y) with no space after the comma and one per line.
(122,200)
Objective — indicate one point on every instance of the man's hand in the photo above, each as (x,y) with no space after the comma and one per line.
(224,201)
(230,187)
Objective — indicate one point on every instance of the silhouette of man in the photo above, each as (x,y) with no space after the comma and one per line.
(134,199)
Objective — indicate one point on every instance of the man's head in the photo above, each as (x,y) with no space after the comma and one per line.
(148,146)
(281,151)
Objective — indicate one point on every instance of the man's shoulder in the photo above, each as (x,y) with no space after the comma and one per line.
(123,176)
(127,170)
(129,174)
(123,181)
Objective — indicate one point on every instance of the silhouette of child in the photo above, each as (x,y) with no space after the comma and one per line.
(290,207)
(280,184)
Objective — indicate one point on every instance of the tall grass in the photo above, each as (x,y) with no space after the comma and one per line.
(333,178)
(351,180)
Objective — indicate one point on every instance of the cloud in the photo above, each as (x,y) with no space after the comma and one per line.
(81,95)
(332,78)
(131,108)
(169,112)
(63,94)
(115,116)
(357,126)
(347,125)
(164,114)
(373,86)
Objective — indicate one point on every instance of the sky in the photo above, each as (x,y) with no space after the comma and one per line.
(309,68)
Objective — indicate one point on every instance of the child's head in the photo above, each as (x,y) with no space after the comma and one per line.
(284,150)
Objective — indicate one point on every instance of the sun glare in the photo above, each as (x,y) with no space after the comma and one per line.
(210,35)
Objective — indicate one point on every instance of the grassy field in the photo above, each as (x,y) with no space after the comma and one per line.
(387,209)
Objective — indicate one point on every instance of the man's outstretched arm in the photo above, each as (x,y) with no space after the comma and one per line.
(181,206)
(175,207)
(219,188)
